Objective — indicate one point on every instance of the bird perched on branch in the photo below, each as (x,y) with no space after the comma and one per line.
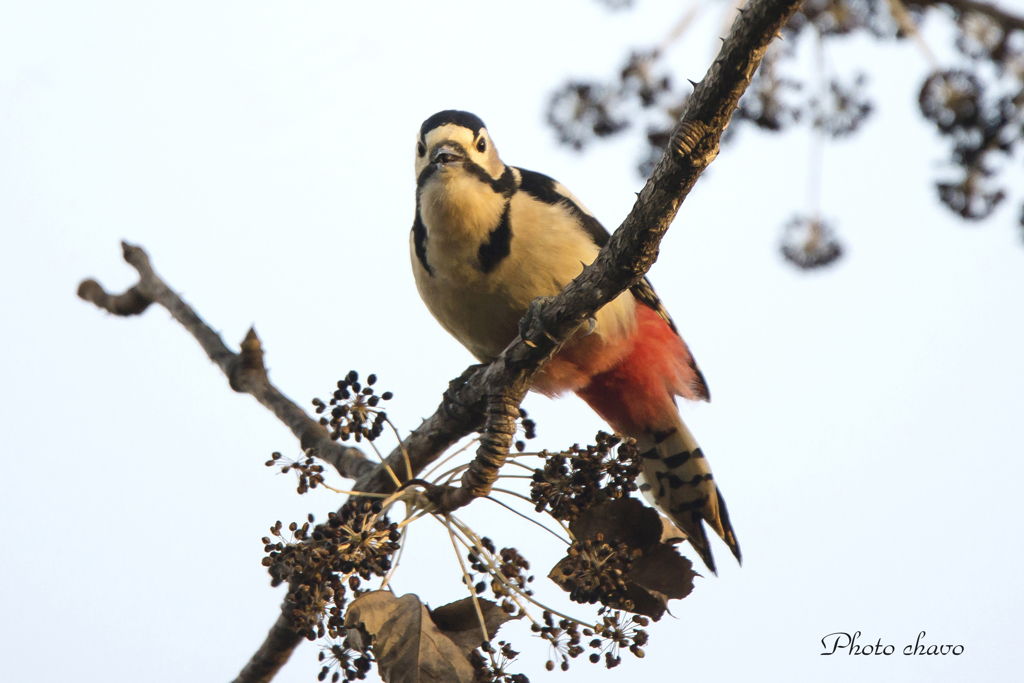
(488,239)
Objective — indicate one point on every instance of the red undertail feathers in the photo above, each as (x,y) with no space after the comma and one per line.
(636,396)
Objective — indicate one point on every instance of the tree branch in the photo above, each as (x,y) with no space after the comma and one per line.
(245,371)
(275,651)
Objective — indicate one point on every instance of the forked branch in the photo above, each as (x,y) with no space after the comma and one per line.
(245,370)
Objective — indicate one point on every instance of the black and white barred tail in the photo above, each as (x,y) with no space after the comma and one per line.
(678,480)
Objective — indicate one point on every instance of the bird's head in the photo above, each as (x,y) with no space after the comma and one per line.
(454,145)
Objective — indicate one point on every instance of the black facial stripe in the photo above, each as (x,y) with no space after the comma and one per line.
(459,118)
(424,176)
(498,244)
(504,185)
(419,238)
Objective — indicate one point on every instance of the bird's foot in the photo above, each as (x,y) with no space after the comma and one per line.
(531,329)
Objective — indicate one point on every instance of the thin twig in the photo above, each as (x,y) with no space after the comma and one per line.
(474,543)
(517,512)
(405,453)
(385,465)
(440,463)
(447,523)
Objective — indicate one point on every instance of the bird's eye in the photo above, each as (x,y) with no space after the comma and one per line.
(420,149)
(481,146)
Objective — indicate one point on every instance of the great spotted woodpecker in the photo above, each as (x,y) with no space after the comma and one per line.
(488,239)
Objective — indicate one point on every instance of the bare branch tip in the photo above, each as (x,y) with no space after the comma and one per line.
(132,302)
(91,291)
(252,351)
(251,339)
(134,255)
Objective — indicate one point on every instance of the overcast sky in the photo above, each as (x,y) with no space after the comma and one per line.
(866,422)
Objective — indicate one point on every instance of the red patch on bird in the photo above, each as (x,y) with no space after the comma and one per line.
(637,395)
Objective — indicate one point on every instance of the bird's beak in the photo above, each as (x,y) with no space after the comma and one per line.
(445,154)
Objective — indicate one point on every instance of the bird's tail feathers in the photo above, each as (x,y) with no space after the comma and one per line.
(678,480)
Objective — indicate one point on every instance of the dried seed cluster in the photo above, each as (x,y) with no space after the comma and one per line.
(810,242)
(308,472)
(354,410)
(565,639)
(324,563)
(345,661)
(354,545)
(618,630)
(494,667)
(509,564)
(596,571)
(976,101)
(577,479)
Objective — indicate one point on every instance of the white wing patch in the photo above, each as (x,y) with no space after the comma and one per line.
(564,191)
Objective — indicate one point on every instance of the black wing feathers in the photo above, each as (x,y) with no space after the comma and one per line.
(644,293)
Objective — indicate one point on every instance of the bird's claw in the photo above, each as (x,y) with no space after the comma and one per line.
(530,326)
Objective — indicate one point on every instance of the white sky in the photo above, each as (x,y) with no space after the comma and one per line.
(866,423)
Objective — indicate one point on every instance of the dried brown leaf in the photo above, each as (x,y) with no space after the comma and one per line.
(625,520)
(407,644)
(458,620)
(367,614)
(657,572)
(664,571)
